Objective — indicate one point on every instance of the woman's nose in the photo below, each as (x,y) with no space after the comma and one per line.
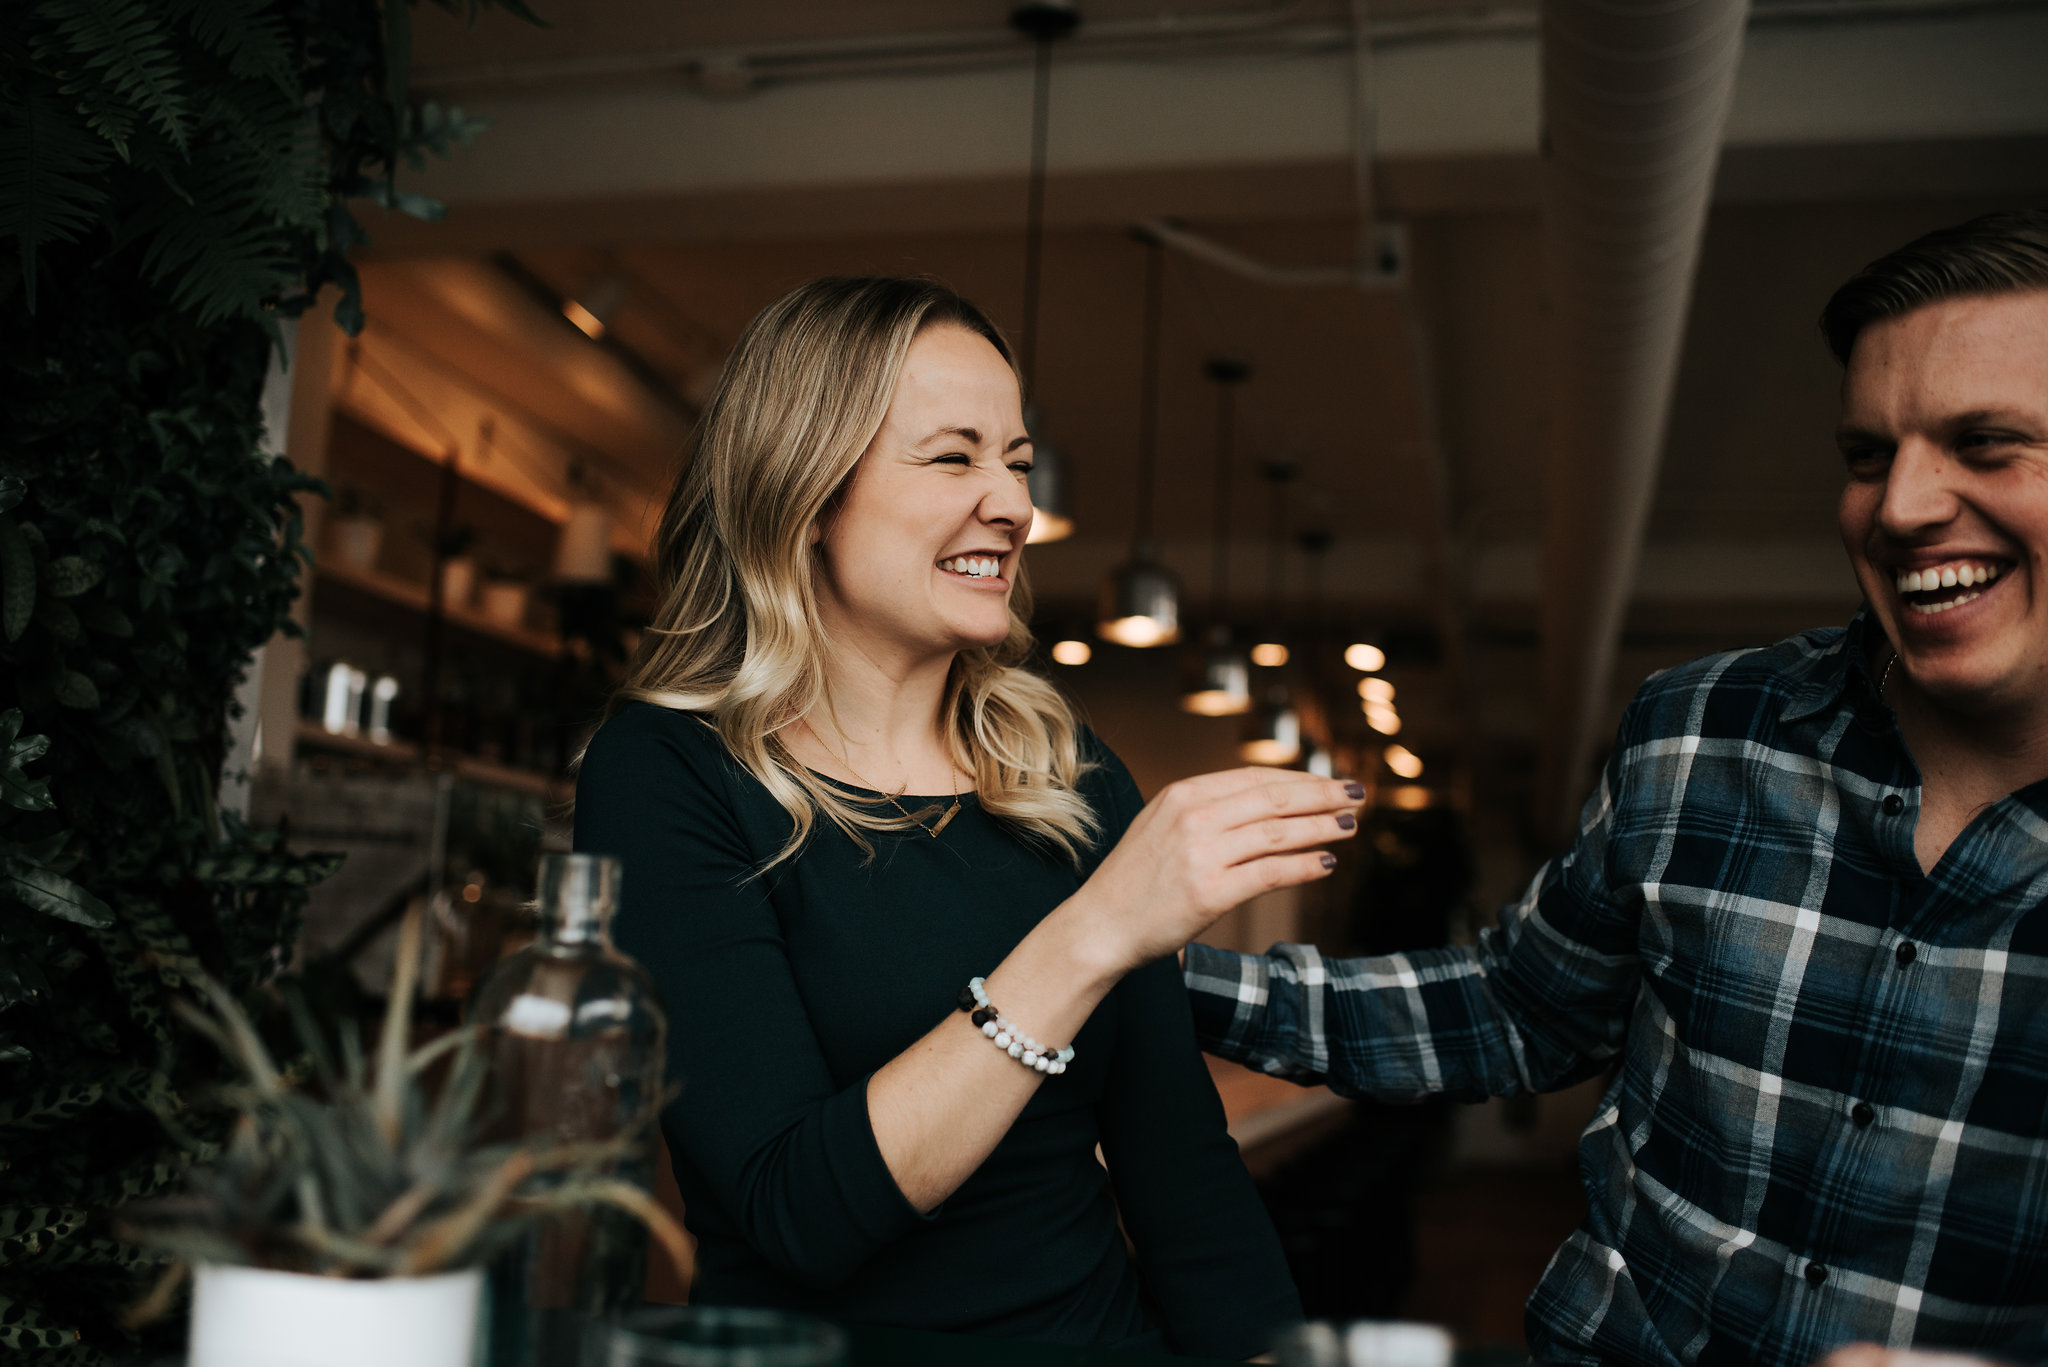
(1918,489)
(1009,501)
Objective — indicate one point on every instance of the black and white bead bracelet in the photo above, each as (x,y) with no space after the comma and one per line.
(1008,1038)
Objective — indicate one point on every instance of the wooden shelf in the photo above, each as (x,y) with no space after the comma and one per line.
(412,596)
(403,754)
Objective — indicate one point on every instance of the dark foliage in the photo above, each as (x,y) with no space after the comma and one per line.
(174,176)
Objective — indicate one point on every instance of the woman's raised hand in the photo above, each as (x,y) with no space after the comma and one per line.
(1207,844)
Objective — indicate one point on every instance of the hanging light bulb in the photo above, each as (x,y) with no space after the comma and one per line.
(1365,657)
(1050,520)
(1320,762)
(1140,603)
(1376,690)
(1383,718)
(1274,735)
(1043,22)
(1403,761)
(1269,655)
(1220,678)
(1141,598)
(1072,652)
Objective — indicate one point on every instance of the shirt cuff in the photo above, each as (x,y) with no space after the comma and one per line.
(1228,995)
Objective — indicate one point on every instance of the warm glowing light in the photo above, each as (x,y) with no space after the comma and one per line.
(472,892)
(1403,761)
(1383,719)
(1072,652)
(1274,752)
(1366,659)
(1269,654)
(587,322)
(1216,702)
(1047,526)
(1138,631)
(1376,690)
(1411,797)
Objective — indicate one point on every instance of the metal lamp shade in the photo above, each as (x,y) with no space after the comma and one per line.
(1051,518)
(1220,680)
(1274,734)
(1140,605)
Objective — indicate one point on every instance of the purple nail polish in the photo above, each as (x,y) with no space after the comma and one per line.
(1329,860)
(1346,821)
(1354,791)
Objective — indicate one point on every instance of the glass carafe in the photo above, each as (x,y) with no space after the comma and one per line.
(575,1035)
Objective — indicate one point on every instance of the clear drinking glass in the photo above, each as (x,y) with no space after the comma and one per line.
(575,1036)
(723,1336)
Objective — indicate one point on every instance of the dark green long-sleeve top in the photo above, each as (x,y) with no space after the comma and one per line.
(786,992)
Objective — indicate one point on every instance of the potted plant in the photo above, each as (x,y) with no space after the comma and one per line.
(353,1208)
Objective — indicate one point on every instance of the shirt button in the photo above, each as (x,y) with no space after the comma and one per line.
(1862,1113)
(1816,1273)
(1893,804)
(1906,953)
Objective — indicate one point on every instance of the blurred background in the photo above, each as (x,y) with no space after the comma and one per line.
(1443,372)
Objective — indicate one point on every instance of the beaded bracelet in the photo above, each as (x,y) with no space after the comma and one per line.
(1008,1038)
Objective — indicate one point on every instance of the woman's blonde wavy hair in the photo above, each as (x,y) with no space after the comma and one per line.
(737,637)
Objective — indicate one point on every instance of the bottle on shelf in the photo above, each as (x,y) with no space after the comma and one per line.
(575,1035)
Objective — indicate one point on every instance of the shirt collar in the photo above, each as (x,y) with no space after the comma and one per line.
(1837,672)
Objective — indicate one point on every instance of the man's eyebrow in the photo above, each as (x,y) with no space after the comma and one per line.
(1992,417)
(1848,436)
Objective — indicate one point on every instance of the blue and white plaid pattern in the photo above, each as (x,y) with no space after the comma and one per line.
(1830,1119)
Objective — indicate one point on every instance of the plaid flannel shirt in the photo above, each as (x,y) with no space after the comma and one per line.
(1830,1117)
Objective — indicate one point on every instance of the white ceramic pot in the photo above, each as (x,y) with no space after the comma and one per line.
(252,1317)
(356,541)
(458,582)
(504,603)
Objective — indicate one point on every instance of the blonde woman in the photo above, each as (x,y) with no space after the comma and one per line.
(914,926)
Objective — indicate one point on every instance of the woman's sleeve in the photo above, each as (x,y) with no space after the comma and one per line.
(1206,1249)
(789,1152)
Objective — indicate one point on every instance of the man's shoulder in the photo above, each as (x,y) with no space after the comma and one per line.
(1738,686)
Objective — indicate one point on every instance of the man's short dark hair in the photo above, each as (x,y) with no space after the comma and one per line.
(2001,253)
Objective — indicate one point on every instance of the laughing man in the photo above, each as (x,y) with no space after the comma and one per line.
(1806,912)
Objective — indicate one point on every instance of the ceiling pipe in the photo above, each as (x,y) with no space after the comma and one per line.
(1635,100)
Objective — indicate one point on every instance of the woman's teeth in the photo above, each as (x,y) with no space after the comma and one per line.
(974,566)
(1941,577)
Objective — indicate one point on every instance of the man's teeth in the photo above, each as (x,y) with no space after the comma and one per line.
(975,566)
(1946,577)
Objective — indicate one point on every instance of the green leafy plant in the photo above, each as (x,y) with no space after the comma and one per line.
(355,1170)
(175,177)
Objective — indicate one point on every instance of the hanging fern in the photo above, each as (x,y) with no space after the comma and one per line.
(175,175)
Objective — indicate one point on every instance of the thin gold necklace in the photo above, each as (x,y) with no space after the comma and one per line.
(945,818)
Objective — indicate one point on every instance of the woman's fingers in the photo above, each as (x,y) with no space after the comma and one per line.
(1316,798)
(1285,791)
(1242,882)
(1280,835)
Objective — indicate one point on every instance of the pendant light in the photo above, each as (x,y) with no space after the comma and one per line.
(1273,733)
(1321,758)
(1141,599)
(1220,677)
(1042,21)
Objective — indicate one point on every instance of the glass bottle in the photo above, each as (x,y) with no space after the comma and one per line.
(575,1036)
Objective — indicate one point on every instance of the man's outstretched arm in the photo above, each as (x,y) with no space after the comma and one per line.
(1541,1002)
